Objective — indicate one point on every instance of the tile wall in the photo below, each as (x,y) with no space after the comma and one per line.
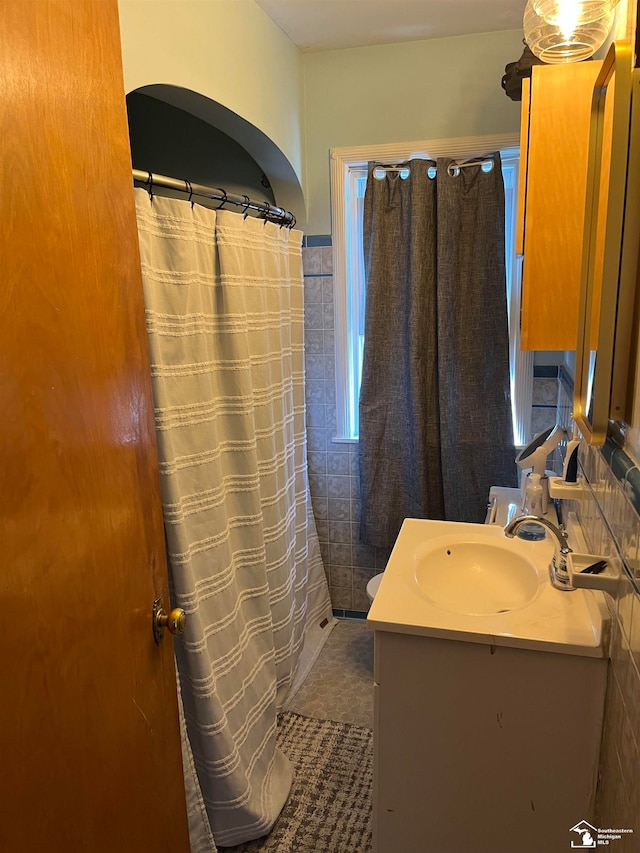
(544,398)
(333,465)
(610,522)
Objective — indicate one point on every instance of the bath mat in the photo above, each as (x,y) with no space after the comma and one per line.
(329,807)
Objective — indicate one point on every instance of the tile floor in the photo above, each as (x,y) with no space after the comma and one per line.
(340,683)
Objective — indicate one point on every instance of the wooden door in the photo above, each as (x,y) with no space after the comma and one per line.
(89,736)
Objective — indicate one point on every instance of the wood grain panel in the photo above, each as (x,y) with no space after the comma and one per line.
(89,725)
(555,203)
(523,171)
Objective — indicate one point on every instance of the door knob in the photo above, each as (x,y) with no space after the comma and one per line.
(174,622)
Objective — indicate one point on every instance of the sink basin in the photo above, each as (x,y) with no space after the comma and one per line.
(467,582)
(475,578)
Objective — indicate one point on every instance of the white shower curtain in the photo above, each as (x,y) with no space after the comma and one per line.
(224,307)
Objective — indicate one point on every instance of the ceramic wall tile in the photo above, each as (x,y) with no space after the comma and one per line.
(314,318)
(355,510)
(317,462)
(314,342)
(332,464)
(317,415)
(316,438)
(328,315)
(361,576)
(326,257)
(340,555)
(340,532)
(314,366)
(382,558)
(361,601)
(342,597)
(338,486)
(318,485)
(315,391)
(331,418)
(545,392)
(611,525)
(339,510)
(363,556)
(322,528)
(338,463)
(542,417)
(340,575)
(320,506)
(313,291)
(312,260)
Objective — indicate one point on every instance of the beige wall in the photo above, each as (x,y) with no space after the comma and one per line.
(227,50)
(433,89)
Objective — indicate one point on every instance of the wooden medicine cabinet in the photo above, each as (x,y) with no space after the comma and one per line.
(556,110)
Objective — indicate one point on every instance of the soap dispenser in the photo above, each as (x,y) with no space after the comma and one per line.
(532,506)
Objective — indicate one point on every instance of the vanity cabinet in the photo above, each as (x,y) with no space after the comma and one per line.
(482,747)
(556,109)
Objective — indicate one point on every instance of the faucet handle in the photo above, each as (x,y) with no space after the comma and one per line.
(565,539)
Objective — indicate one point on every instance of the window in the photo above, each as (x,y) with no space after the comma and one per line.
(348,182)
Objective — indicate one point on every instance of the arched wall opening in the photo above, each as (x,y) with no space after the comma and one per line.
(183,134)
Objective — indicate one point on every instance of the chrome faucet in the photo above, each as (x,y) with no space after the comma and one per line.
(558,572)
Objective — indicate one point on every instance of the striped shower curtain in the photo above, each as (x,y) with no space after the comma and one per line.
(224,307)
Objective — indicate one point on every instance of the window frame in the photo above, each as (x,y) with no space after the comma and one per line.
(343,161)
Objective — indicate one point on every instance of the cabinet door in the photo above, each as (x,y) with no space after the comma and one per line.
(556,163)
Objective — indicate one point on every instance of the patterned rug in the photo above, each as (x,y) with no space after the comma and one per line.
(329,807)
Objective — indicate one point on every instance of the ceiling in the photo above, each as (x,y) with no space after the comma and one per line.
(332,24)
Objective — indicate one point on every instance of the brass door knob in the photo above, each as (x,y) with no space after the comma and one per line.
(174,622)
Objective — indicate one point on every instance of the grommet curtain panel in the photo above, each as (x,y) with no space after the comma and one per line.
(435,413)
(224,311)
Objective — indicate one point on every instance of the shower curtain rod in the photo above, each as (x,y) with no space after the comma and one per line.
(398,167)
(268,211)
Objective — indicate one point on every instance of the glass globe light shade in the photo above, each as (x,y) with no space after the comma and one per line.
(568,13)
(563,43)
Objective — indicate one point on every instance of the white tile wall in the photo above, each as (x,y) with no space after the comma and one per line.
(333,465)
(611,526)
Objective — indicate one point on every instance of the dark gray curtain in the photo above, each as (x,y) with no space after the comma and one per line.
(435,412)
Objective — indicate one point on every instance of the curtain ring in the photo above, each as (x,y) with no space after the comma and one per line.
(150,190)
(224,200)
(246,204)
(189,189)
(267,211)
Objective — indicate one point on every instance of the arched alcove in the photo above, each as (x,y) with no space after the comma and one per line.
(183,134)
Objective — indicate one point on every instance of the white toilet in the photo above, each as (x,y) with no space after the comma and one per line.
(372,586)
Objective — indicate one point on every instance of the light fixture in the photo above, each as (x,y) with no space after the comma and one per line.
(567,41)
(559,12)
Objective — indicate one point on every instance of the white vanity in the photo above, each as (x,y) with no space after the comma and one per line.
(489,695)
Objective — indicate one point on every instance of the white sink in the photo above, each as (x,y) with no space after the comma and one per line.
(463,573)
(470,582)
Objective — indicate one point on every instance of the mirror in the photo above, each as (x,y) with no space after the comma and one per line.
(610,249)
